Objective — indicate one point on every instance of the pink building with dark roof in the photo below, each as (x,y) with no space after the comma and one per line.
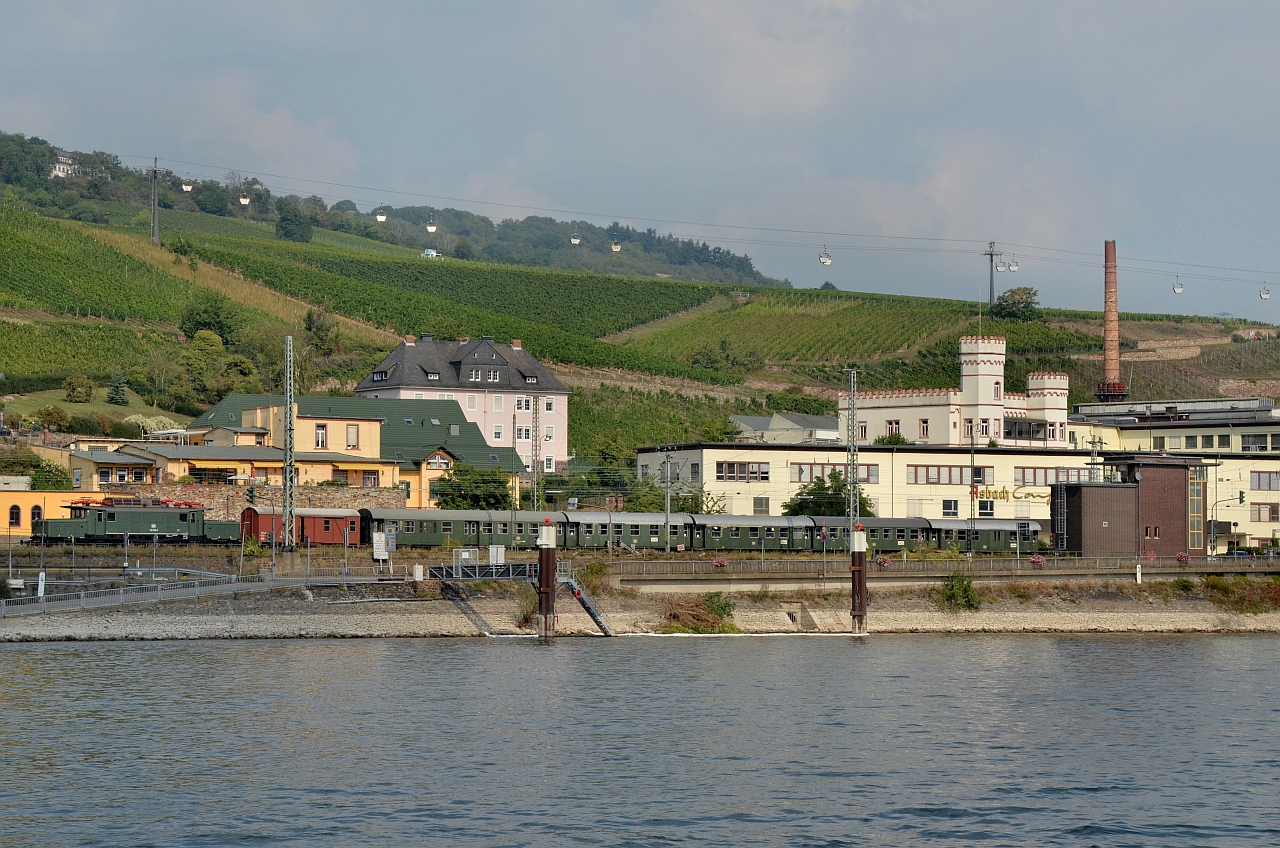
(976,413)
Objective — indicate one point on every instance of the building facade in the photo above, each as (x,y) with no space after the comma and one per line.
(497,386)
(978,413)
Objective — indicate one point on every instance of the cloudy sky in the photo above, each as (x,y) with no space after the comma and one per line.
(903,136)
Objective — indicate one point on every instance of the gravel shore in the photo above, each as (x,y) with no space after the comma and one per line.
(300,614)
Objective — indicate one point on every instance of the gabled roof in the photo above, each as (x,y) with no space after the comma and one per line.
(411,363)
(811,422)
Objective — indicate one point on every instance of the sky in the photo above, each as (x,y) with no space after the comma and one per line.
(902,136)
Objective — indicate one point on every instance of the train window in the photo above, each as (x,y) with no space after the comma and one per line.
(617,529)
(915,535)
(715,532)
(469,528)
(962,535)
(635,530)
(653,530)
(873,533)
(735,532)
(487,528)
(393,526)
(835,532)
(754,532)
(327,528)
(351,528)
(519,528)
(948,535)
(409,526)
(446,527)
(768,532)
(182,517)
(502,528)
(111,516)
(902,533)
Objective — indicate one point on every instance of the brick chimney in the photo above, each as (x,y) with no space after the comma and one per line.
(1112,389)
(516,344)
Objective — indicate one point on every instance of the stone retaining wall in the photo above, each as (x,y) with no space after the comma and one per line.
(227,502)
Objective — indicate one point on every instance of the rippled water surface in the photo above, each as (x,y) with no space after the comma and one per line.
(892,740)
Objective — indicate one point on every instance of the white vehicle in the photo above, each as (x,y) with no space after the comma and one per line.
(431,254)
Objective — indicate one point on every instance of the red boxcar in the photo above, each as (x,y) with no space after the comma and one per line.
(321,526)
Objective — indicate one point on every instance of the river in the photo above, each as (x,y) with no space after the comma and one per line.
(804,741)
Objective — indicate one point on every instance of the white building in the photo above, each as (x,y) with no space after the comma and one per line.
(497,386)
(977,413)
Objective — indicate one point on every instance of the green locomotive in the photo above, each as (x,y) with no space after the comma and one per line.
(110,519)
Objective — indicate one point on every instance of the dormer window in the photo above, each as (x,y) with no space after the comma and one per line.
(379,376)
(531,379)
(492,375)
(474,375)
(433,375)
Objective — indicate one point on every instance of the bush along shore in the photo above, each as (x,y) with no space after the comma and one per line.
(1211,604)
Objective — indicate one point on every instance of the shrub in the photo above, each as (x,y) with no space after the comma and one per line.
(707,614)
(79,389)
(958,592)
(1184,585)
(528,610)
(53,418)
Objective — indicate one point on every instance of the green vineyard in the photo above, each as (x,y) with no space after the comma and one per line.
(91,347)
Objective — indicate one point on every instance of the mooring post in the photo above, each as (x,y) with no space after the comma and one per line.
(858,567)
(546,580)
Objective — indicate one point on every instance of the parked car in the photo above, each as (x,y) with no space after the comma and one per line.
(431,254)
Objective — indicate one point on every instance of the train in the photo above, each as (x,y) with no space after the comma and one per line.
(107,521)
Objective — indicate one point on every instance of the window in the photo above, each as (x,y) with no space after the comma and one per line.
(487,528)
(744,471)
(947,475)
(551,404)
(531,379)
(1053,431)
(379,376)
(968,428)
(1192,442)
(549,464)
(653,531)
(472,403)
(644,471)
(753,532)
(808,472)
(524,403)
(498,403)
(924,428)
(1264,481)
(139,475)
(1151,533)
(433,375)
(950,508)
(1269,512)
(444,395)
(1195,507)
(75,478)
(735,532)
(1275,441)
(502,528)
(986,509)
(915,507)
(122,475)
(497,432)
(353,436)
(892,428)
(351,526)
(760,506)
(986,427)
(370,479)
(996,392)
(1157,443)
(469,528)
(695,471)
(492,375)
(715,532)
(322,436)
(328,523)
(635,531)
(439,461)
(104,475)
(1224,441)
(446,527)
(1175,442)
(474,375)
(338,476)
(524,433)
(1253,442)
(15,516)
(862,431)
(550,434)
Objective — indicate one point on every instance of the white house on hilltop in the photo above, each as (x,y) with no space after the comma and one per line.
(976,413)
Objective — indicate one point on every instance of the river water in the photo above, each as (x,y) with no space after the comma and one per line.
(804,741)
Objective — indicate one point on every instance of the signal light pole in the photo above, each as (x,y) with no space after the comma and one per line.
(546,580)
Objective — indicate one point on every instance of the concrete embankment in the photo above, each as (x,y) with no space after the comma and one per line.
(302,614)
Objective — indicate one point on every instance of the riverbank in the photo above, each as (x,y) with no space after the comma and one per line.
(392,611)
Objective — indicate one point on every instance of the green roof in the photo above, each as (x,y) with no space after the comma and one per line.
(412,430)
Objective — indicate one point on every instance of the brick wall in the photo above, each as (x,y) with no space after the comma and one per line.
(215,497)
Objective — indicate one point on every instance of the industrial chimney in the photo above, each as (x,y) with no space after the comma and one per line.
(1112,389)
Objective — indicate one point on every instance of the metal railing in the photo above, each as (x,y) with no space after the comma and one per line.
(148,593)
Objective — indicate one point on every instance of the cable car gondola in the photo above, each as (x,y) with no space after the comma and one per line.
(824,257)
(431,224)
(575,238)
(1177,285)
(615,246)
(1265,293)
(244,200)
(381,215)
(187,185)
(1012,266)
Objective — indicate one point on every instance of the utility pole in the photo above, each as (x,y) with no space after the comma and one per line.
(536,436)
(154,173)
(666,479)
(857,541)
(290,495)
(991,253)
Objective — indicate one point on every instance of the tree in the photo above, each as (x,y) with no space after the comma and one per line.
(212,311)
(828,286)
(827,497)
(1017,304)
(116,393)
(293,224)
(51,477)
(203,361)
(211,198)
(79,389)
(53,418)
(646,496)
(464,250)
(467,487)
(323,331)
(891,439)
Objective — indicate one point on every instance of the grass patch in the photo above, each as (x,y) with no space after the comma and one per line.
(1242,594)
(958,593)
(528,609)
(711,613)
(593,576)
